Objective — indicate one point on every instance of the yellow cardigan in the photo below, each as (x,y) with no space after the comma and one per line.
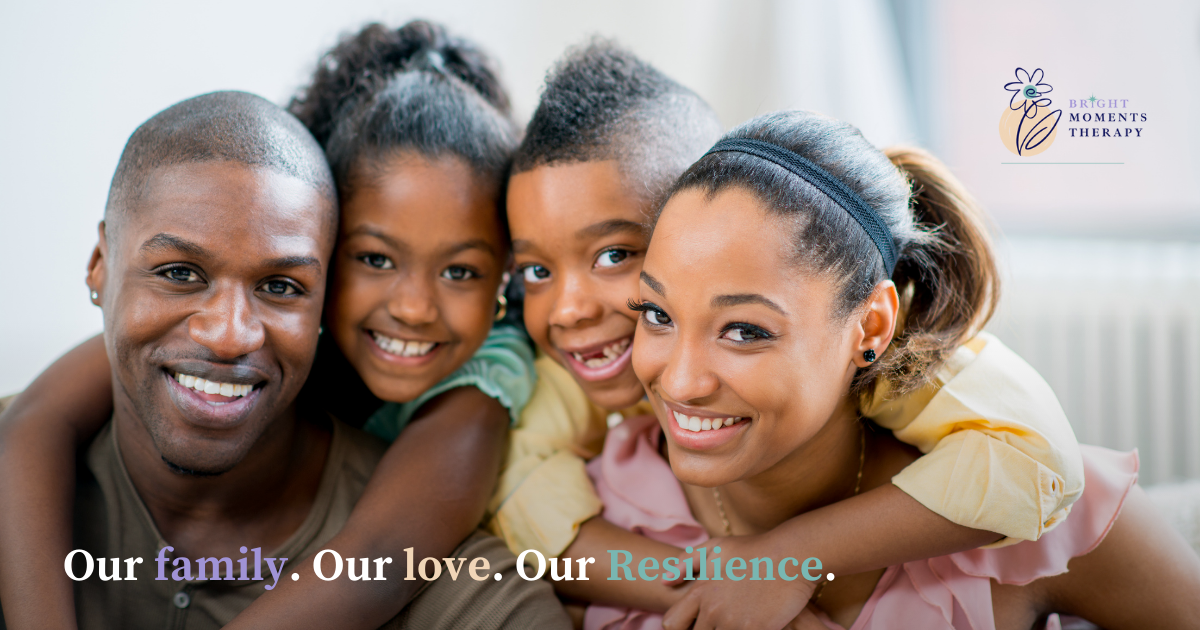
(999,452)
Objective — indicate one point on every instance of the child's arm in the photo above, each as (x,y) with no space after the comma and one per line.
(40,433)
(429,492)
(877,529)
(596,538)
(1000,454)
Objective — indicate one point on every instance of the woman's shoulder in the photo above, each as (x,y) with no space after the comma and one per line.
(1110,475)
(957,590)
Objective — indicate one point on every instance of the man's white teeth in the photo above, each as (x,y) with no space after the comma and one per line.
(230,390)
(611,352)
(696,423)
(402,348)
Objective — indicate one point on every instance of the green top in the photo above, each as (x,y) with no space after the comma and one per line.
(502,368)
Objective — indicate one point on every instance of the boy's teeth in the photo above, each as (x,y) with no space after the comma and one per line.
(697,424)
(611,352)
(402,348)
(229,390)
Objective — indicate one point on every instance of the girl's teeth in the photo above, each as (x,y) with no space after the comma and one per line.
(402,348)
(696,423)
(229,390)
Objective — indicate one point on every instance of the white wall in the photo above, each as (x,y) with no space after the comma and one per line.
(78,77)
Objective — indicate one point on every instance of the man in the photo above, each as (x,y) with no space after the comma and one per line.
(211,270)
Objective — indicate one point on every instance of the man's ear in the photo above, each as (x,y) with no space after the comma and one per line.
(96,268)
(878,323)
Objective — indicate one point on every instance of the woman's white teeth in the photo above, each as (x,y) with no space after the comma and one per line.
(611,352)
(230,390)
(402,348)
(696,423)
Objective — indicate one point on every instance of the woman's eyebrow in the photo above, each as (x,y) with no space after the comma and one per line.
(654,285)
(721,301)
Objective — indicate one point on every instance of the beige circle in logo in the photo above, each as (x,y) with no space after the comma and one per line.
(1032,132)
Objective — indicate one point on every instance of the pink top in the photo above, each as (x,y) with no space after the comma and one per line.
(641,494)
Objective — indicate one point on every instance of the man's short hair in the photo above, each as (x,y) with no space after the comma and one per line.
(219,127)
(601,102)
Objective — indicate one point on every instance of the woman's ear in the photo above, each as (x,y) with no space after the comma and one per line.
(96,268)
(878,323)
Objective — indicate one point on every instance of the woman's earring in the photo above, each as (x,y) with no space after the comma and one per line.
(869,356)
(501,307)
(95,296)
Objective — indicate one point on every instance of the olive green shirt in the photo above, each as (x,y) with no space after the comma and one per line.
(111,521)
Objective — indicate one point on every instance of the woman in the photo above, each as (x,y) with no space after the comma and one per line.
(789,270)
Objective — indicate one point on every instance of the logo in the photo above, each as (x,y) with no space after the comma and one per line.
(1027,126)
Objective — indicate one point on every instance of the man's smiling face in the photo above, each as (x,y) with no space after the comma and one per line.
(212,288)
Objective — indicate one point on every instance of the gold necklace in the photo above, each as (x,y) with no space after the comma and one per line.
(862,460)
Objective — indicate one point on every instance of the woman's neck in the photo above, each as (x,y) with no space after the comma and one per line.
(822,471)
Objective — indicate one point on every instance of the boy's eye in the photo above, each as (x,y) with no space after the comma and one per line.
(742,333)
(612,257)
(280,287)
(182,274)
(378,261)
(459,273)
(533,274)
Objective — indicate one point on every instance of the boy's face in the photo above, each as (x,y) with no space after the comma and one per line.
(579,238)
(416,273)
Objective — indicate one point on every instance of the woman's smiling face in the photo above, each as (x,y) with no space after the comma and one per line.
(419,261)
(735,333)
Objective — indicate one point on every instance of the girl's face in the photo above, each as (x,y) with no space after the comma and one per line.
(415,278)
(578,243)
(737,348)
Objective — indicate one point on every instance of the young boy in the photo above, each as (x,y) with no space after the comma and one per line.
(611,134)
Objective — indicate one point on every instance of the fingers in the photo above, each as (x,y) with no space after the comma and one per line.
(695,557)
(806,620)
(683,614)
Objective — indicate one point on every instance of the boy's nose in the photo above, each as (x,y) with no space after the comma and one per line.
(575,303)
(227,325)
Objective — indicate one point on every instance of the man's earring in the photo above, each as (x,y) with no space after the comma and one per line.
(869,356)
(501,307)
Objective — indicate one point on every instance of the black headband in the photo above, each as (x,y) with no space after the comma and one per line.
(841,194)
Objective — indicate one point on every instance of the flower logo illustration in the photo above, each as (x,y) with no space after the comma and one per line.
(1027,126)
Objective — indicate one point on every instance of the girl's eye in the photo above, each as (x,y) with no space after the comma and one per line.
(182,274)
(459,273)
(533,274)
(280,287)
(378,261)
(742,333)
(612,257)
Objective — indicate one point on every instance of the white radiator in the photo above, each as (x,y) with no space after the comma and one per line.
(1114,326)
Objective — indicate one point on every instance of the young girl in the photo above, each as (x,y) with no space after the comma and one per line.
(418,134)
(609,136)
(779,330)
